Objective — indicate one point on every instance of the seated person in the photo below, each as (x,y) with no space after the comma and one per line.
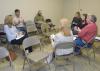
(87,34)
(18,21)
(39,20)
(84,20)
(76,22)
(45,30)
(14,36)
(45,27)
(64,35)
(51,25)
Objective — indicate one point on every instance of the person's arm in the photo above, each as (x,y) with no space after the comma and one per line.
(22,21)
(83,32)
(8,32)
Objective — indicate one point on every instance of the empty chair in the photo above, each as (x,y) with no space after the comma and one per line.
(35,56)
(31,27)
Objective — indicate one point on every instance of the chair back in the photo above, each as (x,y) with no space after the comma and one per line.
(64,45)
(30,41)
(3,52)
(30,25)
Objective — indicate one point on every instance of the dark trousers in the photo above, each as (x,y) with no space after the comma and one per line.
(18,41)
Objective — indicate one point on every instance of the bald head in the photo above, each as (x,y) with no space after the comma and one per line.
(63,22)
(63,26)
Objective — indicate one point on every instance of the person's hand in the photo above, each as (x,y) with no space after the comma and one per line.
(76,28)
(83,23)
(79,29)
(20,33)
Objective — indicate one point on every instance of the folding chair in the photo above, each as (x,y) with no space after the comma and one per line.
(30,26)
(68,46)
(34,56)
(85,47)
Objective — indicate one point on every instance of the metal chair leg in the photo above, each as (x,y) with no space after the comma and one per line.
(88,56)
(73,62)
(11,63)
(73,66)
(29,64)
(24,64)
(94,53)
(48,65)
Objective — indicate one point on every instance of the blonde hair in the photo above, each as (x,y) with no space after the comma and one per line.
(9,20)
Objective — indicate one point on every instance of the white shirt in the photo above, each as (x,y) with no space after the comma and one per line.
(60,38)
(10,32)
(18,21)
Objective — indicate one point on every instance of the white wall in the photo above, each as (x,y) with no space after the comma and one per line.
(86,6)
(51,8)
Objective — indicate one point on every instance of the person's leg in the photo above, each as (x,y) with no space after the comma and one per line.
(78,44)
(89,45)
(18,41)
(15,42)
(37,27)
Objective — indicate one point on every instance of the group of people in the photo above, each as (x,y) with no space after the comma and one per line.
(40,22)
(16,30)
(15,25)
(85,29)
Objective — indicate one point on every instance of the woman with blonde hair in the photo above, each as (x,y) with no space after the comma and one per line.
(13,35)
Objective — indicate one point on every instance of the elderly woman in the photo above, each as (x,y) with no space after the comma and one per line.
(64,35)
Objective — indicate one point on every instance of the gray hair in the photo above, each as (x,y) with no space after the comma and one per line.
(93,18)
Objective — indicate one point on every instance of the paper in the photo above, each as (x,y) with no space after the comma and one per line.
(18,36)
(97,38)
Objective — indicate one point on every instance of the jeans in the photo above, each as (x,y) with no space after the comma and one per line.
(79,44)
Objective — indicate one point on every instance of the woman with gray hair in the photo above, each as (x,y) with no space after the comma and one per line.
(62,36)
